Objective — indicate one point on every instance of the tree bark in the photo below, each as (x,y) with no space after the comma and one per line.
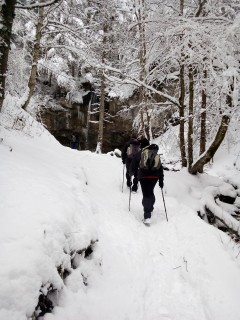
(181,7)
(203,117)
(88,121)
(35,56)
(145,117)
(222,130)
(200,8)
(190,118)
(102,93)
(7,12)
(101,115)
(181,102)
(181,114)
(207,156)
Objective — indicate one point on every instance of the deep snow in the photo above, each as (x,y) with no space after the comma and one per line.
(55,201)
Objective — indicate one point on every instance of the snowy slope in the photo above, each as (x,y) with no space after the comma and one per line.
(55,201)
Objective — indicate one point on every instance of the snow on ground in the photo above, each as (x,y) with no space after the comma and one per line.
(55,200)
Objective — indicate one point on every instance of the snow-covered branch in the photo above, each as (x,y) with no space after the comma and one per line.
(208,200)
(138,83)
(35,4)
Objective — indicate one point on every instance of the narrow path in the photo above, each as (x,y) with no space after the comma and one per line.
(147,273)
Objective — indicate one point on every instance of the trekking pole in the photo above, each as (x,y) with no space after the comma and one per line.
(123,177)
(236,159)
(164,205)
(130,192)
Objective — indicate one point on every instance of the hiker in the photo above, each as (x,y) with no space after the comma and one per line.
(74,143)
(150,171)
(130,149)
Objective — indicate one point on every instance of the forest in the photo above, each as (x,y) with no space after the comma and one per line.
(165,70)
(182,55)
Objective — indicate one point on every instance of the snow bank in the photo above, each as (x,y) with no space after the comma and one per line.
(46,213)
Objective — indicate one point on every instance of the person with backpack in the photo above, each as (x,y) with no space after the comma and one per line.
(130,149)
(150,171)
(74,143)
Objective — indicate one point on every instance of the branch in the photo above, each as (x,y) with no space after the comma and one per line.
(139,84)
(200,8)
(37,4)
(213,18)
(57,23)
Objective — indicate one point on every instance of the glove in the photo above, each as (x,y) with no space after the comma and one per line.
(161,184)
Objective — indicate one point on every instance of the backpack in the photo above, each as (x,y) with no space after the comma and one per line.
(150,159)
(132,150)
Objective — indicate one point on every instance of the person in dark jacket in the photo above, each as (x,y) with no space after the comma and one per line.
(74,143)
(127,159)
(148,179)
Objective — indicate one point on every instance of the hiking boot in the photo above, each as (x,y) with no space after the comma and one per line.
(147,215)
(129,183)
(147,221)
(134,188)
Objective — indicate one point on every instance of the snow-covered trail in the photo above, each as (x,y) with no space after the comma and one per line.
(55,202)
(165,271)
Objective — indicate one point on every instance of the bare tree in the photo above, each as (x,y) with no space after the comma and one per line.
(182,100)
(203,115)
(35,57)
(102,92)
(190,117)
(7,10)
(222,130)
(208,155)
(7,14)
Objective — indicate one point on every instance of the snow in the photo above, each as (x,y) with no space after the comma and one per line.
(56,201)
(122,91)
(75,97)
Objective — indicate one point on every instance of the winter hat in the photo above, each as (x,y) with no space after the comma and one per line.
(134,136)
(144,143)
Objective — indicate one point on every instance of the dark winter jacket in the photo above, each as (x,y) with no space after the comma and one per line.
(125,158)
(148,174)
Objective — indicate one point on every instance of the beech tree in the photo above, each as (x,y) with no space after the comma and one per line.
(7,9)
(7,14)
(35,57)
(195,44)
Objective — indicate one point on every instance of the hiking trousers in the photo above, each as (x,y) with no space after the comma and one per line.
(128,176)
(147,185)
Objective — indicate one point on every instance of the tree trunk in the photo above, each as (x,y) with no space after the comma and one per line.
(101,115)
(142,127)
(102,92)
(88,122)
(181,114)
(145,118)
(190,118)
(200,7)
(207,156)
(181,102)
(35,55)
(181,7)
(222,130)
(145,125)
(7,9)
(148,124)
(203,117)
